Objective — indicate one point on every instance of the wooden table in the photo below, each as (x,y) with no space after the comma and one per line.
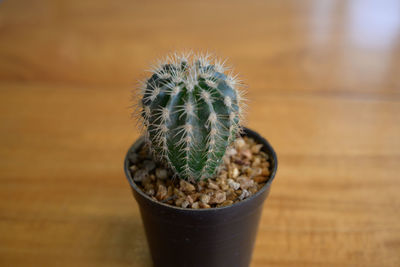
(324,87)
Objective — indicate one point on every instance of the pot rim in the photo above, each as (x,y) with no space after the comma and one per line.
(246,131)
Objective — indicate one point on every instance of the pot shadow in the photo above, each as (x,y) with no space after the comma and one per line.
(125,243)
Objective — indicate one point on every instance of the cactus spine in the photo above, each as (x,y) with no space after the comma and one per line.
(191,110)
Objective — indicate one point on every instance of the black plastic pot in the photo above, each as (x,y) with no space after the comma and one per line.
(217,237)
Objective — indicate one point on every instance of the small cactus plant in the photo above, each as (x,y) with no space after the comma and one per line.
(191,110)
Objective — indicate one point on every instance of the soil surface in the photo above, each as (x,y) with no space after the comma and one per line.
(245,171)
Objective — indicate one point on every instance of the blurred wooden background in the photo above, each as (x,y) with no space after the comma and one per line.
(324,86)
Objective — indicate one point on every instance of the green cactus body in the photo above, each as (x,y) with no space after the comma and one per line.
(191,111)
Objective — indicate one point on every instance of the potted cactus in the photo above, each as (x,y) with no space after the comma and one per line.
(199,177)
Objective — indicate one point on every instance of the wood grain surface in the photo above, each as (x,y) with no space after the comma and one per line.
(324,87)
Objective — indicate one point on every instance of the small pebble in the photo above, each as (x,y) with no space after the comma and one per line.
(200,186)
(247,171)
(256,148)
(211,185)
(223,175)
(265,164)
(231,195)
(179,192)
(170,191)
(205,198)
(256,172)
(226,203)
(161,192)
(149,165)
(187,187)
(260,179)
(245,182)
(133,168)
(189,199)
(245,194)
(161,173)
(230,152)
(247,153)
(140,175)
(218,198)
(264,155)
(239,143)
(145,153)
(235,173)
(204,205)
(195,196)
(179,202)
(133,157)
(224,187)
(256,162)
(150,192)
(265,172)
(185,204)
(146,181)
(234,185)
(148,186)
(253,189)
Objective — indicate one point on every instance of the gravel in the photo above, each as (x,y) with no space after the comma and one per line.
(245,170)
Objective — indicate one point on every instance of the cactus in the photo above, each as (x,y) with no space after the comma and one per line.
(191,111)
